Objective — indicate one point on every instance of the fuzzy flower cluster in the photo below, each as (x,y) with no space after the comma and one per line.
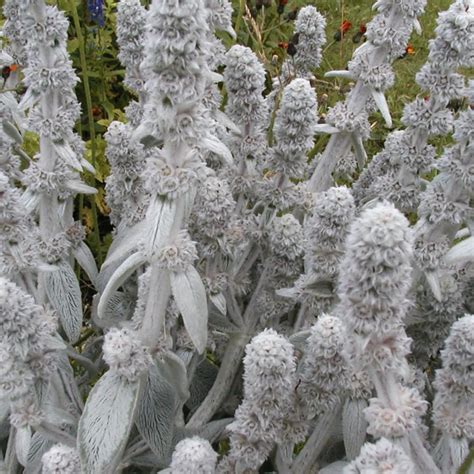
(174,63)
(213,207)
(376,274)
(437,205)
(269,381)
(286,238)
(294,129)
(178,256)
(457,165)
(381,457)
(395,420)
(399,181)
(165,180)
(244,78)
(454,401)
(220,15)
(61,459)
(193,455)
(344,120)
(323,370)
(58,247)
(9,162)
(310,33)
(126,196)
(125,355)
(380,32)
(15,31)
(433,318)
(453,46)
(26,331)
(18,235)
(421,115)
(131,21)
(325,231)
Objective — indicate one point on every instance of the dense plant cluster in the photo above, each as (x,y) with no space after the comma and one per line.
(261,307)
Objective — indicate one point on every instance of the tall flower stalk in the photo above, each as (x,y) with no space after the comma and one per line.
(373,291)
(387,36)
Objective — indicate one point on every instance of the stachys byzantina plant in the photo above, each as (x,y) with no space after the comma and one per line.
(248,316)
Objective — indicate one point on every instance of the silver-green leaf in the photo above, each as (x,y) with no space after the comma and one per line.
(105,425)
(190,296)
(64,295)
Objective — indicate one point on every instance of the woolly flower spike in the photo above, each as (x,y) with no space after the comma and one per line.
(269,364)
(458,354)
(213,207)
(386,420)
(326,228)
(383,457)
(410,8)
(457,165)
(453,407)
(244,78)
(376,272)
(179,256)
(286,238)
(220,15)
(124,185)
(323,372)
(23,322)
(453,44)
(444,84)
(345,121)
(463,129)
(419,114)
(380,33)
(269,381)
(51,30)
(61,459)
(175,53)
(193,455)
(131,21)
(436,205)
(294,128)
(310,30)
(125,355)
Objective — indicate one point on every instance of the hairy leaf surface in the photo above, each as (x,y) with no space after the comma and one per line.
(64,295)
(156,412)
(190,296)
(105,425)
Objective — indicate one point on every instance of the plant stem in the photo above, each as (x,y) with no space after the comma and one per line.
(230,362)
(225,377)
(240,15)
(316,442)
(90,117)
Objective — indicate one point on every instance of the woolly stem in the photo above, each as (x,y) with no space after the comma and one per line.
(340,143)
(159,292)
(11,462)
(230,362)
(224,380)
(321,434)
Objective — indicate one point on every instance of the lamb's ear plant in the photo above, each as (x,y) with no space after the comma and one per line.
(373,292)
(399,172)
(452,406)
(347,122)
(249,317)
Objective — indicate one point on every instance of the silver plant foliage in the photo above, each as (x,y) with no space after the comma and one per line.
(248,316)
